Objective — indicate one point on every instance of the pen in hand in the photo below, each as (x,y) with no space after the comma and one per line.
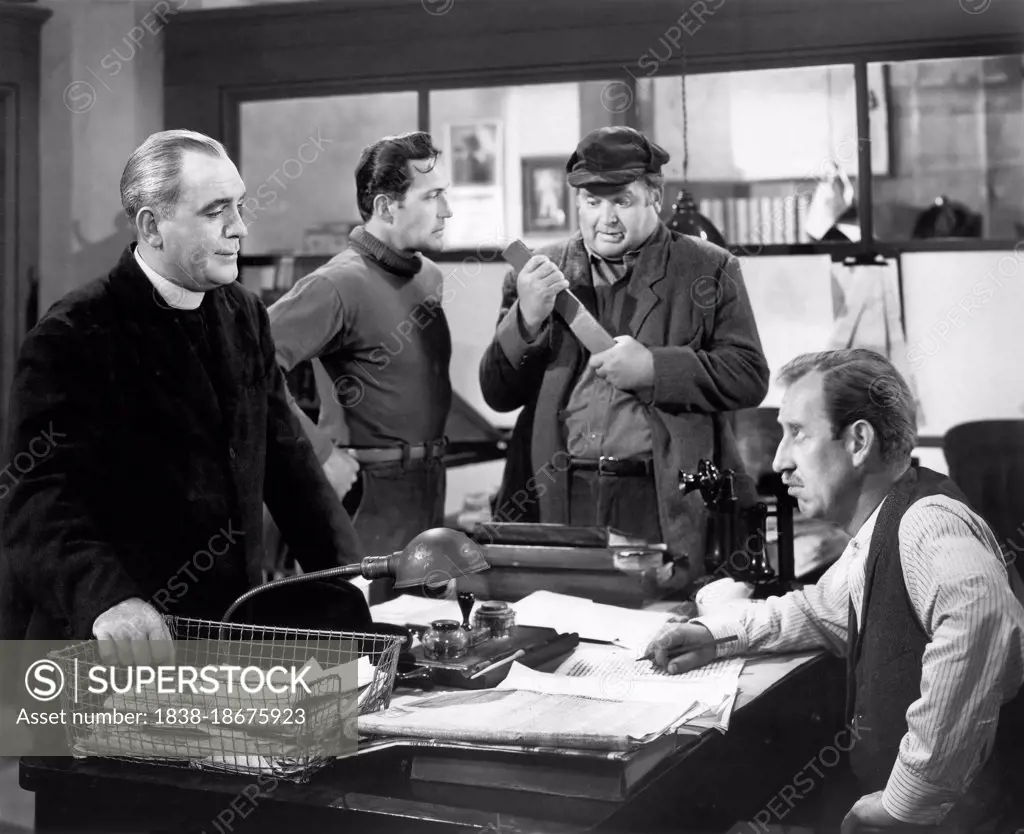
(678,651)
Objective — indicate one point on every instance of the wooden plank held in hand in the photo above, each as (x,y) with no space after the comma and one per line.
(583,325)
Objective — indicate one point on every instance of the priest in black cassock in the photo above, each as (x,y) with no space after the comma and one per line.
(149,423)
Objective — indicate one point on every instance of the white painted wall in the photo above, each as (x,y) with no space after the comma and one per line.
(101,96)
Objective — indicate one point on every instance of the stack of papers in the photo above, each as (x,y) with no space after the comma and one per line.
(522,718)
(625,627)
(579,706)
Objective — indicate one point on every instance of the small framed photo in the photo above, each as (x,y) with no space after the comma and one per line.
(546,195)
(475,150)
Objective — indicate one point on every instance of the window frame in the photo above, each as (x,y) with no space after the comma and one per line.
(599,47)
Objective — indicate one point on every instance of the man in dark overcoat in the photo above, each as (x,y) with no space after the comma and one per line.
(601,438)
(149,422)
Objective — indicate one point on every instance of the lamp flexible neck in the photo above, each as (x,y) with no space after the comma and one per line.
(326,573)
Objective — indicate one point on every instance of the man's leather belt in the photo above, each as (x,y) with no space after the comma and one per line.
(388,454)
(620,467)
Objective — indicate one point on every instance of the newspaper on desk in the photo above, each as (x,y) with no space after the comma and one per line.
(707,694)
(580,705)
(616,673)
(521,718)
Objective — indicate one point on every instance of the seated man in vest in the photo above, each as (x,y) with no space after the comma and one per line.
(921,603)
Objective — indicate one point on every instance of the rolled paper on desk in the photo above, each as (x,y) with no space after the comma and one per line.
(679,651)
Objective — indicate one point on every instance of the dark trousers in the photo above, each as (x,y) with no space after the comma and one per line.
(629,504)
(393,502)
(390,503)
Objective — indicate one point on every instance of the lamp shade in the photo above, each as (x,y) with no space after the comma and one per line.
(435,557)
(688,221)
(432,559)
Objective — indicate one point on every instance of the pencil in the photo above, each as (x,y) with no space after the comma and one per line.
(498,663)
(677,651)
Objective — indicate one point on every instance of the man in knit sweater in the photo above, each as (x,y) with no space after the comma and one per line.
(921,603)
(373,317)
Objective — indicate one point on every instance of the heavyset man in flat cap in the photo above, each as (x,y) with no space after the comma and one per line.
(629,418)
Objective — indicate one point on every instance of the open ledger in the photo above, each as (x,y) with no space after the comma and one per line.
(706,695)
(582,705)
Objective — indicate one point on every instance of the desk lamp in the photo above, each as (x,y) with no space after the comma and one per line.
(431,560)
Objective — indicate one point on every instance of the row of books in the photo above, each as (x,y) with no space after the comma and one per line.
(744,221)
(760,221)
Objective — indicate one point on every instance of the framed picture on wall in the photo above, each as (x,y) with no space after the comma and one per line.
(475,152)
(545,195)
(475,166)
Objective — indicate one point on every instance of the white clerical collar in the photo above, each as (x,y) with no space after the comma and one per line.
(178,297)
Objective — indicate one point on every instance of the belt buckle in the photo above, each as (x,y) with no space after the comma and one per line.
(601,465)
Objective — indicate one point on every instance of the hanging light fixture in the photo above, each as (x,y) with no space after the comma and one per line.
(686,218)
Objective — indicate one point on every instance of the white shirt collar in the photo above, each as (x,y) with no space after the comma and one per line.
(863,537)
(177,297)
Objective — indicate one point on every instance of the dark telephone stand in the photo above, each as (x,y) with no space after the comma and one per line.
(737,536)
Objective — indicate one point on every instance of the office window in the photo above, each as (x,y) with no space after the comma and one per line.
(957,129)
(759,143)
(505,149)
(298,163)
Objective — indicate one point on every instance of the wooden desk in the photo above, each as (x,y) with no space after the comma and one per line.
(704,782)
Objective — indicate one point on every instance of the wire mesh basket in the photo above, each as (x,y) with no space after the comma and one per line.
(236,698)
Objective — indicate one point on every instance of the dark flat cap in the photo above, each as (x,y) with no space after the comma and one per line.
(615,155)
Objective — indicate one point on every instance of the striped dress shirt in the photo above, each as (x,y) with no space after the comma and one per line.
(956,581)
